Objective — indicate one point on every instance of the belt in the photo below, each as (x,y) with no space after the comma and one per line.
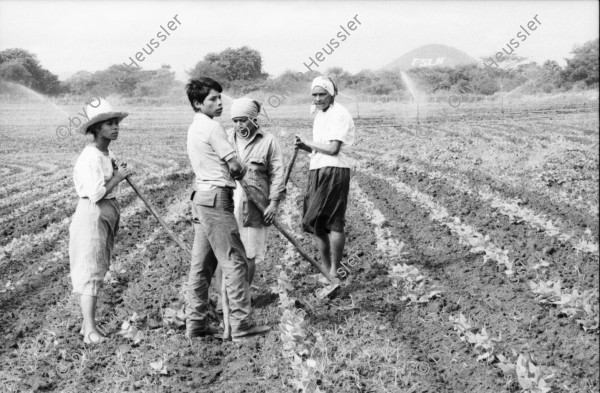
(217,189)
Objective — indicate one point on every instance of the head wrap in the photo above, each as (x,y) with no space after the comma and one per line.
(325,83)
(245,107)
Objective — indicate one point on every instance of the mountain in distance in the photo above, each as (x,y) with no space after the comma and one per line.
(430,55)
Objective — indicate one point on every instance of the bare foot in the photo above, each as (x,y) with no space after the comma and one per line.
(334,274)
(93,337)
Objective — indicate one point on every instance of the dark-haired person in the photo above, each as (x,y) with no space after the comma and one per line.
(96,220)
(329,175)
(217,237)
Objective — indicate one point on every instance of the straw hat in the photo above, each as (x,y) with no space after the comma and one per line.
(99,112)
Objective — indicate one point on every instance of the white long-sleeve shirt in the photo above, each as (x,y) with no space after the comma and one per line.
(92,170)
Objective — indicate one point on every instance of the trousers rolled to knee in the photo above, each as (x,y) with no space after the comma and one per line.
(91,239)
(217,241)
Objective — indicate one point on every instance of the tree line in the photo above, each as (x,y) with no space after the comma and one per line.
(240,71)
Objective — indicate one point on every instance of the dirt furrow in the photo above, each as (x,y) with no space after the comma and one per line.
(482,293)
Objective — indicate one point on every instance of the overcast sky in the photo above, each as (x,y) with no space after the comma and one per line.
(68,36)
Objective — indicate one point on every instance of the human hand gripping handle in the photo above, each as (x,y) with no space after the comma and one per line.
(300,144)
(239,174)
(250,192)
(120,170)
(271,212)
(125,173)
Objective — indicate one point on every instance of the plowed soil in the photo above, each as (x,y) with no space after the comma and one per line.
(364,338)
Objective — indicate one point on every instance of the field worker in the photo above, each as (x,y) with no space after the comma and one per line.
(96,220)
(329,175)
(217,238)
(262,154)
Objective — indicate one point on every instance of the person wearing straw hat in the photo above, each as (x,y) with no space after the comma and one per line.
(326,197)
(216,234)
(94,225)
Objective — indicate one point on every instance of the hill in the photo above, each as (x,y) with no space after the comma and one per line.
(429,56)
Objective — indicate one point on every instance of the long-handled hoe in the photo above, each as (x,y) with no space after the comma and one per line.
(160,220)
(255,197)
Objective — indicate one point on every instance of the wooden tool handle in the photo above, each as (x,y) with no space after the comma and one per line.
(250,193)
(288,170)
(160,220)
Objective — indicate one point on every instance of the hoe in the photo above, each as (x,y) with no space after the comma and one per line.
(255,198)
(253,195)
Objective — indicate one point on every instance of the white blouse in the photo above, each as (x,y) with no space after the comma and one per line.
(334,125)
(92,170)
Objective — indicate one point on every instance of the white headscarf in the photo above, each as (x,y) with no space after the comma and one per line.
(325,83)
(245,107)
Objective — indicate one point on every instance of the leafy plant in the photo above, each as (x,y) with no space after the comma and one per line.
(581,307)
(414,284)
(530,376)
(482,343)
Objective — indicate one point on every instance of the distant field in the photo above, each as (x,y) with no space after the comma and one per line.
(472,257)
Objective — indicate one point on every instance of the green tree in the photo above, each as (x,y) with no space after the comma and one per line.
(431,79)
(361,80)
(584,64)
(232,67)
(155,83)
(117,79)
(81,82)
(125,81)
(484,84)
(15,71)
(39,78)
(550,76)
(339,75)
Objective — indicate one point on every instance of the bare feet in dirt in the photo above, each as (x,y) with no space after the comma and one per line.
(93,338)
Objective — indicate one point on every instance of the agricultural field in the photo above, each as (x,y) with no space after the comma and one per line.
(471,261)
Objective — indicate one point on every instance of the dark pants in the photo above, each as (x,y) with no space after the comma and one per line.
(217,241)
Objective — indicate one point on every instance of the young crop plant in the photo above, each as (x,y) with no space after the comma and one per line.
(529,376)
(292,324)
(582,307)
(482,343)
(413,282)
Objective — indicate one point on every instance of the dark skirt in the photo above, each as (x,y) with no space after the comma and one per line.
(326,200)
